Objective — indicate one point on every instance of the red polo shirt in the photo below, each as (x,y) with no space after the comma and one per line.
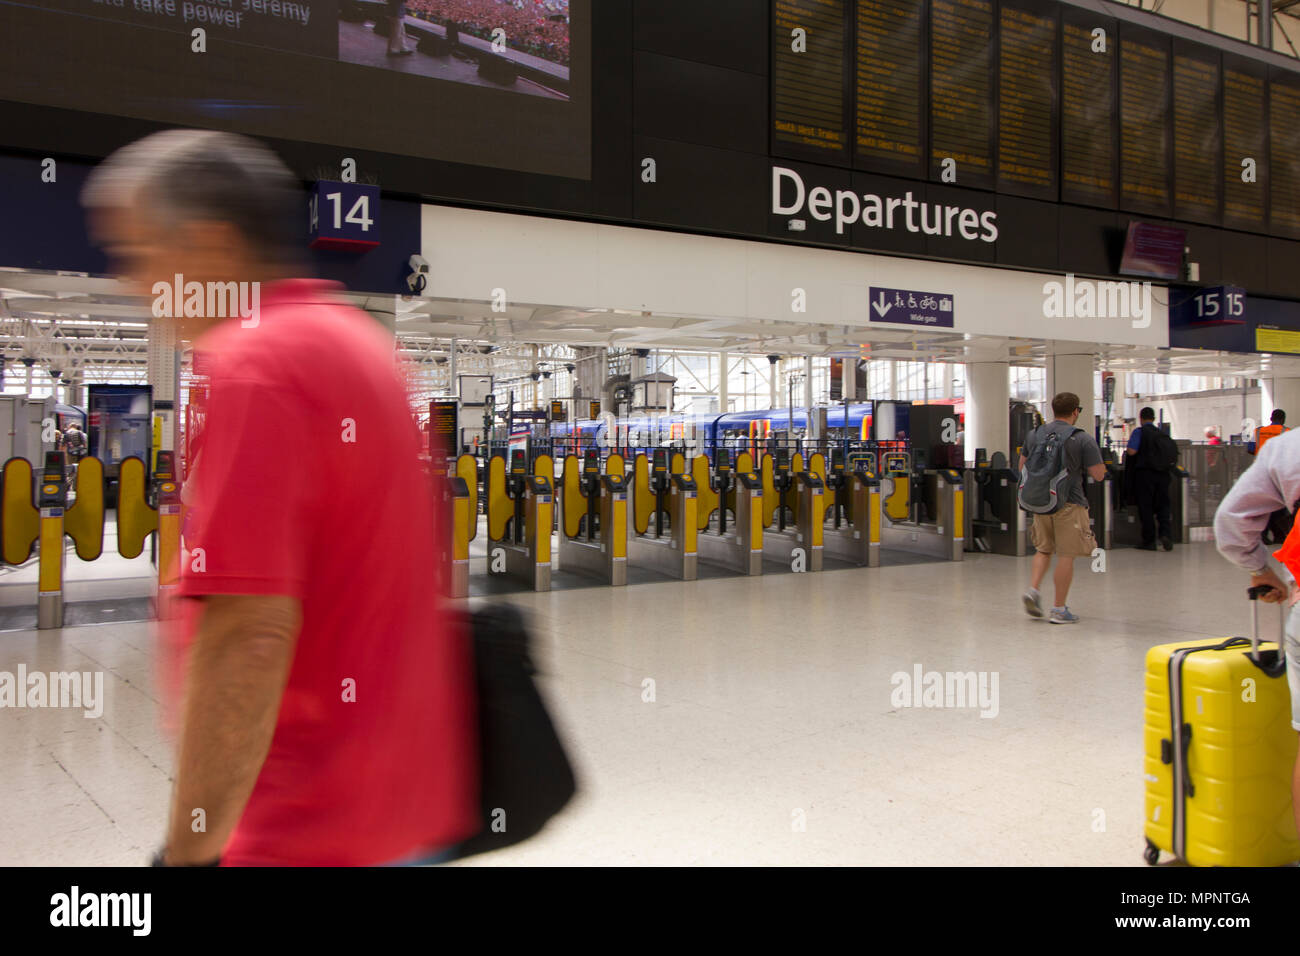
(306,483)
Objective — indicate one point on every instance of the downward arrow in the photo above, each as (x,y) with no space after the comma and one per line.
(882,307)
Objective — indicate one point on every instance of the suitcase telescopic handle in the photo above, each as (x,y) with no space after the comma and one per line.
(1276,668)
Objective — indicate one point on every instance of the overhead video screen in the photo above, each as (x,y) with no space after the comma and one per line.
(503,83)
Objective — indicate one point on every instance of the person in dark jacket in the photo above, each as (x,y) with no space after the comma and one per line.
(1150,470)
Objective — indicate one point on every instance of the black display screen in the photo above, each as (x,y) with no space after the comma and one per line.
(1245,124)
(1198,137)
(809,90)
(1284,138)
(961,90)
(1027,132)
(1144,85)
(481,82)
(890,86)
(1088,145)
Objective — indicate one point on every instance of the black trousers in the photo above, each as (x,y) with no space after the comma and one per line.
(1152,493)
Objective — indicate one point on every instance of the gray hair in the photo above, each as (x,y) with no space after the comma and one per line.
(183,175)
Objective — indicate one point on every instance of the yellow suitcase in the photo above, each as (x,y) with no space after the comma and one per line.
(1220,752)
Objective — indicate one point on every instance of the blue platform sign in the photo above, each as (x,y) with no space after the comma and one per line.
(344,216)
(1217,305)
(909,307)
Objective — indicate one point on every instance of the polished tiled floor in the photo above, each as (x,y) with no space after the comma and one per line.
(771,737)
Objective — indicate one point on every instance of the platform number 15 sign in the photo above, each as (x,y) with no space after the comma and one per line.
(343,216)
(1220,302)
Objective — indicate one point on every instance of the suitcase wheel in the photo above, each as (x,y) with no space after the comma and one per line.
(1151,854)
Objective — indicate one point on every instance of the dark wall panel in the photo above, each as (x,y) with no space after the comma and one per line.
(1245,261)
(1091,240)
(726,33)
(1029,233)
(1284,267)
(701,104)
(701,187)
(613,176)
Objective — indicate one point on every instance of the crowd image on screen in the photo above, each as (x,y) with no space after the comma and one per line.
(538,27)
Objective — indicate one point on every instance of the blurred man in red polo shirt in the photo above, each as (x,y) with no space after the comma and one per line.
(327,711)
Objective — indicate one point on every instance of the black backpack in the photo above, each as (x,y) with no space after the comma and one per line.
(1043,473)
(524,771)
(1157,451)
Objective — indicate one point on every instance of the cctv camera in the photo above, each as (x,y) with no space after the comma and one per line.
(418,280)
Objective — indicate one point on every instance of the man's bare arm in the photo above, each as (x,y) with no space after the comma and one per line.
(239,665)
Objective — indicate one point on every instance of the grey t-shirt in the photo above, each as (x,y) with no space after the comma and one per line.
(1080,452)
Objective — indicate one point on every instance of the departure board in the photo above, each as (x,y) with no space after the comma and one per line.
(1284,157)
(1088,148)
(1144,124)
(1244,124)
(1196,137)
(889,86)
(1027,102)
(961,89)
(808,84)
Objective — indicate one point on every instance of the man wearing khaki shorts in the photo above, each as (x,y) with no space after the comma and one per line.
(1066,532)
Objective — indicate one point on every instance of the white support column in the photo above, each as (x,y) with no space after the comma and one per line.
(1070,368)
(808,381)
(724,370)
(1283,393)
(453,384)
(988,396)
(163,370)
(849,378)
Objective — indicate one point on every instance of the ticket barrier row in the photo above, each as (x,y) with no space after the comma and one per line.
(35,516)
(662,515)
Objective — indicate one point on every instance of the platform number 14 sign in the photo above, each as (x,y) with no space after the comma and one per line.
(344,216)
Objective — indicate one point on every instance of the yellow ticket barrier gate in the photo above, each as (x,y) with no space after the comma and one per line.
(593,518)
(735,543)
(853,531)
(798,535)
(664,523)
(467,471)
(20,519)
(137,518)
(945,535)
(452,494)
(25,524)
(897,472)
(521,514)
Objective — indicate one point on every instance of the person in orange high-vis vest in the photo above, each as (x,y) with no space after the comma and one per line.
(1279,522)
(1277,427)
